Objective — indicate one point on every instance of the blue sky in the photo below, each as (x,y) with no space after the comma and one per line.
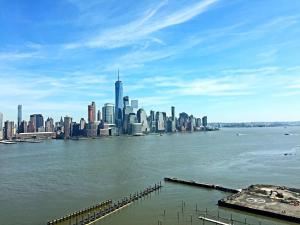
(233,60)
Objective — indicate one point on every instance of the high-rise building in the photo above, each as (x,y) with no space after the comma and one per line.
(204,121)
(160,123)
(8,130)
(49,125)
(23,127)
(99,115)
(142,119)
(19,117)
(82,124)
(37,122)
(125,101)
(135,104)
(1,126)
(92,112)
(173,113)
(108,113)
(67,127)
(119,104)
(151,121)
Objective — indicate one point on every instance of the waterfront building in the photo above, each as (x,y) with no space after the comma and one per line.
(134,104)
(198,122)
(131,119)
(92,112)
(136,129)
(19,117)
(183,121)
(160,123)
(49,125)
(8,130)
(108,113)
(1,126)
(23,127)
(142,118)
(37,122)
(67,127)
(204,121)
(92,129)
(119,104)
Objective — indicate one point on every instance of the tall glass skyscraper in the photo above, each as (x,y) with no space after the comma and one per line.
(19,116)
(119,104)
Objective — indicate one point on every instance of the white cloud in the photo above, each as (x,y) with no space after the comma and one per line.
(143,27)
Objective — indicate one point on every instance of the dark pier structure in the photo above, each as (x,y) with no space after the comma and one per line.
(201,185)
(96,212)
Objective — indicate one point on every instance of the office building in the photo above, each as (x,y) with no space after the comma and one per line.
(92,112)
(37,122)
(49,125)
(8,130)
(67,127)
(82,124)
(134,104)
(198,122)
(108,113)
(23,127)
(1,126)
(151,122)
(204,121)
(125,101)
(160,123)
(119,105)
(19,117)
(136,129)
(99,115)
(142,119)
(173,113)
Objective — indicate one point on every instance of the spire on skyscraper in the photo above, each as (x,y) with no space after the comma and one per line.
(118,75)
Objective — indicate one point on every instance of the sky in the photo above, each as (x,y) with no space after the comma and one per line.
(232,60)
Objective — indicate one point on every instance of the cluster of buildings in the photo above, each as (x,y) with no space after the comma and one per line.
(124,117)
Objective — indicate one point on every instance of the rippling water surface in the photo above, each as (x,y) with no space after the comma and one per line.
(39,182)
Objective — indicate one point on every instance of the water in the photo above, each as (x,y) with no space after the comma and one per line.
(40,182)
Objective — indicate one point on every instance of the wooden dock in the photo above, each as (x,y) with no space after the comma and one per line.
(202,185)
(96,212)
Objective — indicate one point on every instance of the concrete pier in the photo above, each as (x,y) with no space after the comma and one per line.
(267,200)
(202,185)
(96,212)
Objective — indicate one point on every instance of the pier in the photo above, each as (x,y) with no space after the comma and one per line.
(201,185)
(96,212)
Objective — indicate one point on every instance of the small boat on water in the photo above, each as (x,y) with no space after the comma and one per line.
(8,142)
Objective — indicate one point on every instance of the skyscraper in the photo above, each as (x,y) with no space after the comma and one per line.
(173,113)
(8,130)
(118,104)
(108,113)
(67,127)
(1,126)
(142,118)
(19,117)
(99,115)
(134,104)
(92,113)
(49,125)
(204,121)
(37,122)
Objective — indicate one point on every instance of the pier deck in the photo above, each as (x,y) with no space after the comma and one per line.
(268,200)
(202,185)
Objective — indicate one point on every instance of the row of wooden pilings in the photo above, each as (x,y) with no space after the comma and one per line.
(102,209)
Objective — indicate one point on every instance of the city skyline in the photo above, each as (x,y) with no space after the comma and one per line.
(234,61)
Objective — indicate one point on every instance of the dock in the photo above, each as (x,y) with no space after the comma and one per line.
(267,200)
(201,185)
(99,211)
